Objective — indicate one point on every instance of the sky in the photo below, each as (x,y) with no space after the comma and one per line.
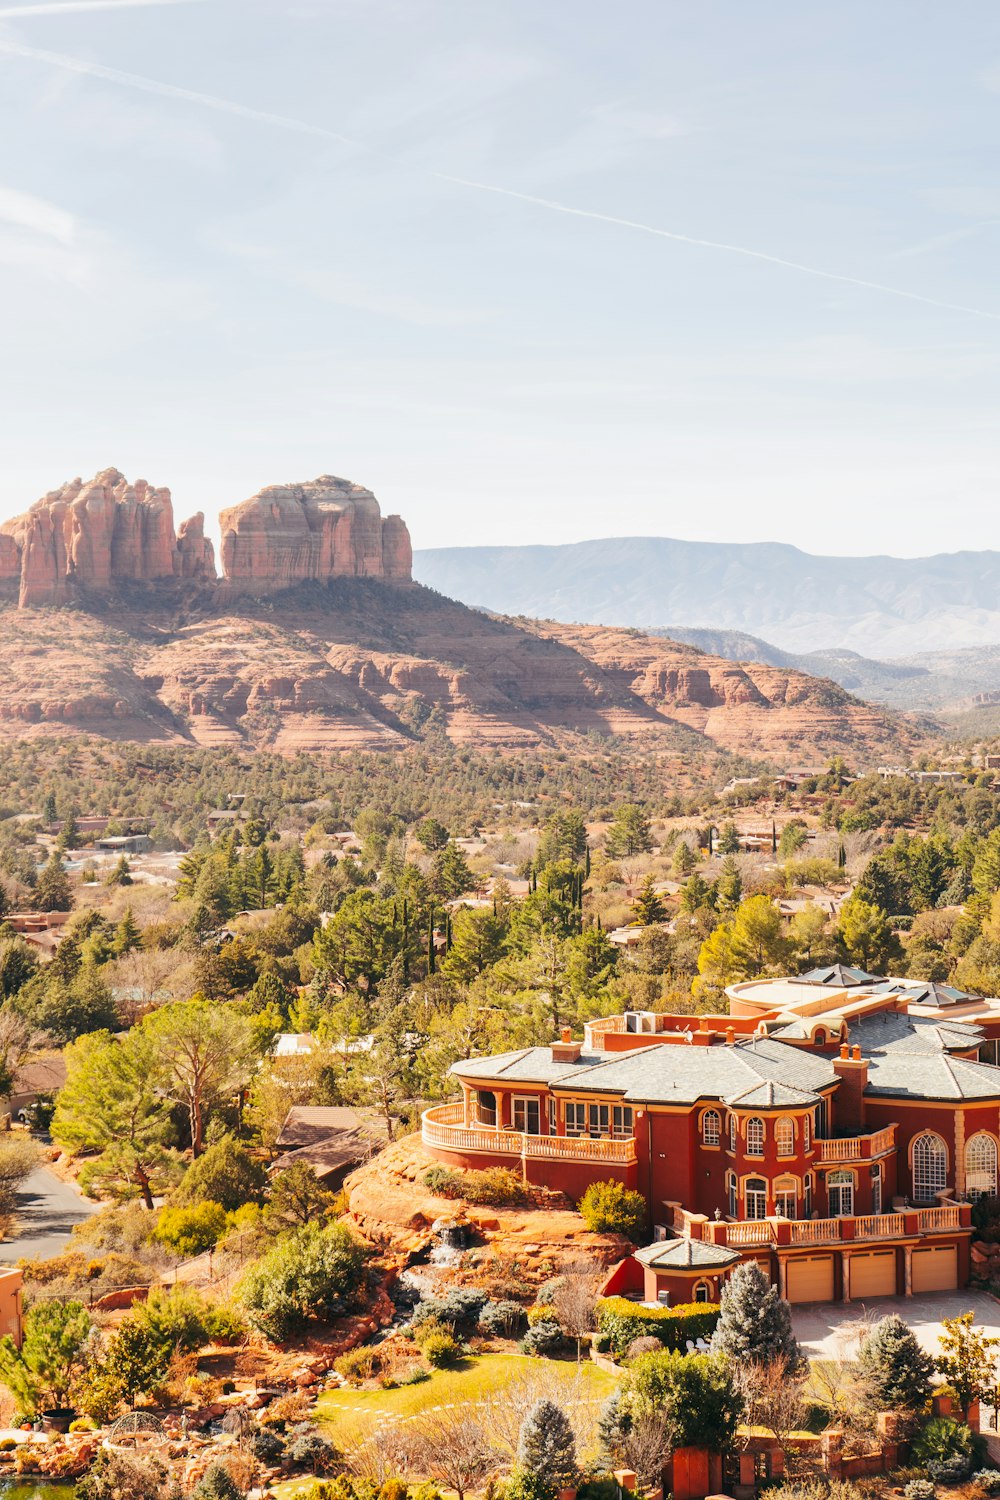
(532,272)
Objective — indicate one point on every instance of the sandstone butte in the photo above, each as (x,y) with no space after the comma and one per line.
(96,536)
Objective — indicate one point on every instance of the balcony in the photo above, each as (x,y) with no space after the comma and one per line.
(855,1147)
(444,1127)
(884,1227)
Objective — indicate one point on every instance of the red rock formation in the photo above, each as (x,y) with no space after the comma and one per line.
(98,534)
(330,528)
(195,555)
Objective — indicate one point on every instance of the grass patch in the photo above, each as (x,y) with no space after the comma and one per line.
(342,1412)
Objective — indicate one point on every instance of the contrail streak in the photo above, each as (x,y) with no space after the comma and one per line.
(168,90)
(689,239)
(303,127)
(66,7)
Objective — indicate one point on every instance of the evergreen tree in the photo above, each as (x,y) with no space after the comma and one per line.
(729,839)
(648,906)
(755,1324)
(729,886)
(450,873)
(629,833)
(52,893)
(564,836)
(866,936)
(685,858)
(431,834)
(127,935)
(897,1370)
(49,810)
(546,1447)
(70,833)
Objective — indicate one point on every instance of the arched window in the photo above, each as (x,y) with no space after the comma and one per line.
(732,1132)
(784,1137)
(756,1198)
(840,1194)
(702,1291)
(786,1197)
(930,1167)
(711,1127)
(981,1166)
(732,1205)
(755,1136)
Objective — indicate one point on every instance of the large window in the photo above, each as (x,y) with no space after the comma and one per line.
(711,1127)
(876,1181)
(576,1118)
(732,1205)
(756,1198)
(786,1197)
(784,1137)
(621,1122)
(598,1120)
(755,1136)
(840,1194)
(981,1166)
(526,1115)
(821,1120)
(930,1167)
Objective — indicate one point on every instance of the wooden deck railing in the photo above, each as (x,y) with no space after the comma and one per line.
(444,1127)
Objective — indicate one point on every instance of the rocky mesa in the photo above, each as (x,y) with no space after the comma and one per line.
(99,535)
(315,638)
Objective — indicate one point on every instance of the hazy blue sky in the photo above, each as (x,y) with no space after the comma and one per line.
(217,301)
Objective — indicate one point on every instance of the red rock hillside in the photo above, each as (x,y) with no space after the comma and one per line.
(316,639)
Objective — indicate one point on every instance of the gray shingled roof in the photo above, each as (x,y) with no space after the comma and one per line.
(895,1031)
(675,1073)
(940,995)
(930,1075)
(772,1095)
(686,1255)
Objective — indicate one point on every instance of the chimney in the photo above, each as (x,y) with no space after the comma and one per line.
(565,1050)
(848,1100)
(730,1037)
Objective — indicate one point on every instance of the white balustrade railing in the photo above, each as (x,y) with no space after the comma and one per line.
(878,1226)
(444,1126)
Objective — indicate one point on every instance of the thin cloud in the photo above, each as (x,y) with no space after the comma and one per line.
(37,215)
(302,127)
(67,7)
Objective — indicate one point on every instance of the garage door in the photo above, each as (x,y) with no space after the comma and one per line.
(810,1279)
(874,1274)
(935,1269)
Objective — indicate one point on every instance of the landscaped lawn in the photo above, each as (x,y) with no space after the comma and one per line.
(478,1377)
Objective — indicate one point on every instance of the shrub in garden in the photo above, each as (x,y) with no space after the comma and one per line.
(441,1349)
(611,1208)
(459,1307)
(624,1321)
(357,1364)
(946,1449)
(217,1484)
(226,1174)
(647,1344)
(317,1272)
(542,1338)
(919,1489)
(266,1446)
(988,1480)
(503,1319)
(191,1231)
(310,1451)
(496,1187)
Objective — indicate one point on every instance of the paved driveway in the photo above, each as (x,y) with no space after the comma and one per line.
(47,1209)
(829,1330)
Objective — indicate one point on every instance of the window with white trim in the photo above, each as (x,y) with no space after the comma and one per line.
(702,1291)
(981,1166)
(755,1136)
(598,1120)
(840,1194)
(929,1157)
(732,1132)
(732,1204)
(755,1195)
(553,1126)
(527,1115)
(875,1174)
(786,1197)
(621,1122)
(807,1196)
(805,1133)
(576,1118)
(784,1137)
(711,1127)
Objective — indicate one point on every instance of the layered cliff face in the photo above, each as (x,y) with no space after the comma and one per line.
(96,536)
(308,533)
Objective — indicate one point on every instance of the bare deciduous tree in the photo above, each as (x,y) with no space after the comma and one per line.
(772,1399)
(454,1446)
(574,1301)
(644,1449)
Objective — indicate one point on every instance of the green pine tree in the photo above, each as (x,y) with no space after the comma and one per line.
(755,1324)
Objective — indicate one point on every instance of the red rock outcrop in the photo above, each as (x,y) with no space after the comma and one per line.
(330,528)
(96,535)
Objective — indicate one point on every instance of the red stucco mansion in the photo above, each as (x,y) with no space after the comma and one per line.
(834,1127)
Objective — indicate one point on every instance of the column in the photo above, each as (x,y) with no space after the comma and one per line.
(959,1153)
(466,1106)
(908,1270)
(845,1275)
(782,1276)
